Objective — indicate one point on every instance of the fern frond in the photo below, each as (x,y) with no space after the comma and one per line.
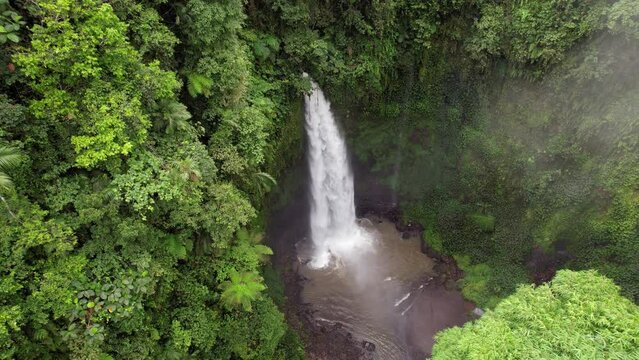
(198,85)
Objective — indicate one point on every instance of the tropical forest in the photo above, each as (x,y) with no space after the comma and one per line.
(319,179)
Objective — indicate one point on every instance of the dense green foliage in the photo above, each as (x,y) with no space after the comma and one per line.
(139,139)
(133,174)
(579,315)
(510,137)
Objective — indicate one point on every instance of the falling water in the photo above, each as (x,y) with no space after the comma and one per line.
(334,229)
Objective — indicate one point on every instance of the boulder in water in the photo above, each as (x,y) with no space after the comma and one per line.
(477,311)
(368,346)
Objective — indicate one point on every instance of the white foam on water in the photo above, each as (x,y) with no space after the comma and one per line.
(408,308)
(400,301)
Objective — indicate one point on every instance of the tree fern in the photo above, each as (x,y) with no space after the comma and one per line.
(262,251)
(254,239)
(241,289)
(173,116)
(198,85)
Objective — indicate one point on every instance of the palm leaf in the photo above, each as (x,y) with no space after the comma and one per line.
(10,157)
(264,182)
(266,178)
(5,182)
(262,252)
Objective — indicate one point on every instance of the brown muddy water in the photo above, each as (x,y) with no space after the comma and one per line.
(388,298)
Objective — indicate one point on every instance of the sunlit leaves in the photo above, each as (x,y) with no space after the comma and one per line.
(142,228)
(37,268)
(54,293)
(578,315)
(114,125)
(144,181)
(82,64)
(10,317)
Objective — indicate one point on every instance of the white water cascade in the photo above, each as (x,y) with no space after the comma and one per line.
(334,229)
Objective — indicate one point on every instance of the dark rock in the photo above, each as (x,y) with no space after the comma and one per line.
(368,346)
(542,264)
(469,306)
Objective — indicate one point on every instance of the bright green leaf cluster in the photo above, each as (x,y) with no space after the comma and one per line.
(579,315)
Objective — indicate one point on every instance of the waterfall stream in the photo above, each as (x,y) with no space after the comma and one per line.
(334,229)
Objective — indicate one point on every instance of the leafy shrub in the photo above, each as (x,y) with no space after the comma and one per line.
(577,315)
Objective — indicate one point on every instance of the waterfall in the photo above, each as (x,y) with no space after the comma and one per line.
(334,229)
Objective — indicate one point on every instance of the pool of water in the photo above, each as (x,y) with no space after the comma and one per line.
(386,296)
